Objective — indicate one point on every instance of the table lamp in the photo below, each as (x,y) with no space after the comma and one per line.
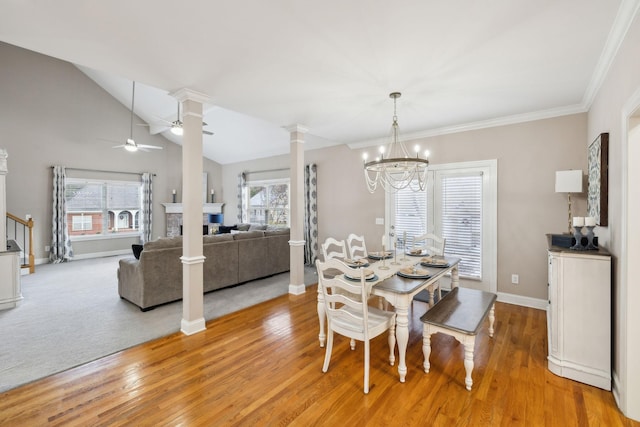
(569,182)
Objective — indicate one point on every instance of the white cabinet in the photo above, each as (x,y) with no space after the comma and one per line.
(10,286)
(579,315)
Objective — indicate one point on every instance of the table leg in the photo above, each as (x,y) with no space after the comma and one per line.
(455,277)
(426,347)
(492,319)
(469,345)
(402,335)
(322,336)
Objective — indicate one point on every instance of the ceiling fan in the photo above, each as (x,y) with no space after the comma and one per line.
(176,125)
(130,144)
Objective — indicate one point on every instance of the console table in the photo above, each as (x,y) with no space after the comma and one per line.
(579,315)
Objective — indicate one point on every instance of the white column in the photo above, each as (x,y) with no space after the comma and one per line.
(296,244)
(192,256)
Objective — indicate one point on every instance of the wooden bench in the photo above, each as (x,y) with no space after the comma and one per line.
(459,314)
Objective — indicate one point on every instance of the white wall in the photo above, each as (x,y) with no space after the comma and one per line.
(607,115)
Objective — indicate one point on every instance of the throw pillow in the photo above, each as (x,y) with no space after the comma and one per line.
(137,249)
(227,229)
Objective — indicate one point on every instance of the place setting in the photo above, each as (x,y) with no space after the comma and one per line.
(413,272)
(433,261)
(356,263)
(418,252)
(369,276)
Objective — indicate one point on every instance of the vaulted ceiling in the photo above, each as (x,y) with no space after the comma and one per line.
(330,65)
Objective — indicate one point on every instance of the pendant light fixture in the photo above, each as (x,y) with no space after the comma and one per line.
(395,169)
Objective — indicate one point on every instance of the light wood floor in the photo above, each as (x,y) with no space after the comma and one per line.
(262,366)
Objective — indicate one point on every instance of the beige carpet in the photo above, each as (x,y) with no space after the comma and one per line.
(72,314)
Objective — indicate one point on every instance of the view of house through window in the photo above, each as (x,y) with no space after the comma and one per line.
(268,202)
(102,208)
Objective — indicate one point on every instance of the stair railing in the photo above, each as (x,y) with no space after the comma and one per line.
(21,231)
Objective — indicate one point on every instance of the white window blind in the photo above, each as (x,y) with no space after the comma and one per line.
(410,215)
(461,220)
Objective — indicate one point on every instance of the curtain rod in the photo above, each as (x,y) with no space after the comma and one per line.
(269,170)
(104,171)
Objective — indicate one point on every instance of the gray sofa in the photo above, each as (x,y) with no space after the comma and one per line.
(156,278)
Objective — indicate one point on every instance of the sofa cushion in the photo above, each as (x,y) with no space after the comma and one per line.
(243,227)
(248,235)
(259,227)
(164,242)
(276,232)
(216,238)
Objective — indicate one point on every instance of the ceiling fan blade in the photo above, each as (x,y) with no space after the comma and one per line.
(154,147)
(206,132)
(118,146)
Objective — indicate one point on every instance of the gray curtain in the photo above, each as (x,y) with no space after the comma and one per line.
(310,214)
(61,249)
(146,219)
(242,188)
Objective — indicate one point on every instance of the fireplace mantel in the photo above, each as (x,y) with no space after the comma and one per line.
(173,213)
(207,208)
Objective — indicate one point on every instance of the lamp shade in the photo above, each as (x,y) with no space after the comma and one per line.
(216,218)
(569,181)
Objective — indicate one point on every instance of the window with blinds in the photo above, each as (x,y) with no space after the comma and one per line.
(455,204)
(410,215)
(460,210)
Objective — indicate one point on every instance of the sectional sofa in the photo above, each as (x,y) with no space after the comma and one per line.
(230,259)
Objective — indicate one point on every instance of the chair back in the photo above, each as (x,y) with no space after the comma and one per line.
(357,247)
(332,248)
(432,243)
(345,300)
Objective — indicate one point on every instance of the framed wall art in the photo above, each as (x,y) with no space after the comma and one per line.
(598,176)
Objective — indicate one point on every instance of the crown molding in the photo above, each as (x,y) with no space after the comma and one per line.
(185,94)
(626,14)
(483,124)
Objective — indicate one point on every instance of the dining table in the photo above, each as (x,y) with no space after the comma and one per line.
(398,279)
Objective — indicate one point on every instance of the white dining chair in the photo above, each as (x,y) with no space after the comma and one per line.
(348,313)
(357,247)
(333,248)
(432,243)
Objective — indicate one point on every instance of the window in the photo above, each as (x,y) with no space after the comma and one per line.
(81,223)
(102,209)
(459,204)
(460,209)
(267,202)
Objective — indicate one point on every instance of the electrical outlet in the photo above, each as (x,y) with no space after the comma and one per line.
(515,279)
(379,221)
(47,248)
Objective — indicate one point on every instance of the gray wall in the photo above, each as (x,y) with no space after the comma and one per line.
(51,113)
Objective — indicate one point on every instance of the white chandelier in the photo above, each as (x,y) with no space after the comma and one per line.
(397,170)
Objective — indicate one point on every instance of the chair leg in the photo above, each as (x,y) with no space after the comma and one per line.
(366,366)
(327,353)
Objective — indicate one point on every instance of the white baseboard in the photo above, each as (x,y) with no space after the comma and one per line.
(39,261)
(540,304)
(192,327)
(297,289)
